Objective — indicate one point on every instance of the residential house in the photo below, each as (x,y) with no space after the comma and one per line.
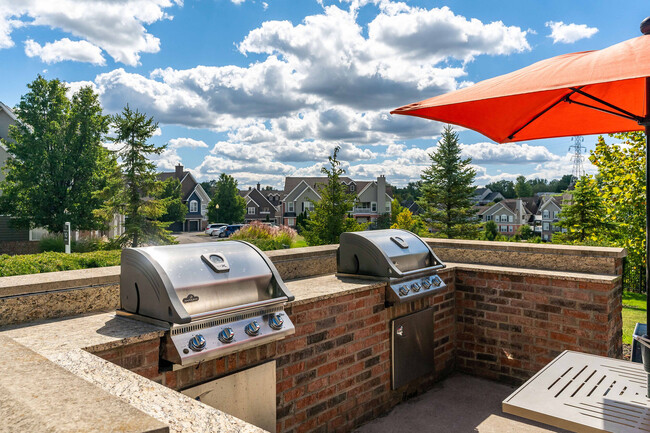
(373,198)
(413,206)
(193,196)
(547,217)
(483,196)
(510,214)
(263,205)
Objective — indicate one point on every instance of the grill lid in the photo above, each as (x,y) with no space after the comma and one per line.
(182,283)
(388,253)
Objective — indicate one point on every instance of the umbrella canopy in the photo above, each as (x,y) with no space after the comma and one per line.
(553,98)
(591,92)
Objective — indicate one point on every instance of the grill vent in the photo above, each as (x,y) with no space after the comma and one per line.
(209,323)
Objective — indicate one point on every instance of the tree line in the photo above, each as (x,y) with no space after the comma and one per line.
(59,169)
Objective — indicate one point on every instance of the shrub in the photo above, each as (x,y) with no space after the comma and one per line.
(55,261)
(266,237)
(52,242)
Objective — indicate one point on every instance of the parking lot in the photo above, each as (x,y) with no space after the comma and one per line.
(194,237)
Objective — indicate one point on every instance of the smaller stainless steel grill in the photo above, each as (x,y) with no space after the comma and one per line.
(214,298)
(399,257)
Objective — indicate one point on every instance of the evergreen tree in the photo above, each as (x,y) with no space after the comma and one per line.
(171,196)
(523,188)
(330,215)
(226,206)
(583,218)
(447,189)
(58,162)
(134,195)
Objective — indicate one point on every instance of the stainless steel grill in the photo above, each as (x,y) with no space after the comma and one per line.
(399,257)
(215,298)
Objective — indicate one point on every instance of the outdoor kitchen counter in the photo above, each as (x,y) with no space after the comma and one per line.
(67,342)
(70,342)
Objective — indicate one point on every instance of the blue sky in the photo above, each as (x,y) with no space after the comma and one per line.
(266,89)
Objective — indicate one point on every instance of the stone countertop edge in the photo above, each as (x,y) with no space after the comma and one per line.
(570,250)
(50,281)
(543,273)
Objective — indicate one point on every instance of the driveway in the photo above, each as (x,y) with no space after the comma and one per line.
(194,237)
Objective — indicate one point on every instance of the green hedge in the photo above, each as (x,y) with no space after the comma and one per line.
(52,262)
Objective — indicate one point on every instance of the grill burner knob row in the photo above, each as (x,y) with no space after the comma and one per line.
(415,287)
(252,328)
(226,335)
(403,291)
(197,343)
(276,322)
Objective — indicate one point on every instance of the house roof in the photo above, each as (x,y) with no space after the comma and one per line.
(493,196)
(479,192)
(188,183)
(9,111)
(290,184)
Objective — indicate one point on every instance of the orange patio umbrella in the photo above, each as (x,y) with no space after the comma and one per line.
(591,92)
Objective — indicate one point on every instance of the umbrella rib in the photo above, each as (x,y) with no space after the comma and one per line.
(541,113)
(604,110)
(627,114)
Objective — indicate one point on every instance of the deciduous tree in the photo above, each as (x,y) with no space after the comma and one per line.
(523,188)
(447,189)
(226,206)
(171,196)
(57,159)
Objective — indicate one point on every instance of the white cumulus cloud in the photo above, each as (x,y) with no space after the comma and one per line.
(177,143)
(117,27)
(65,49)
(569,33)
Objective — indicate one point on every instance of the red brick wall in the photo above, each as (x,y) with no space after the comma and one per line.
(510,326)
(334,373)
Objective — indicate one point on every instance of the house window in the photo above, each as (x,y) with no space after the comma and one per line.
(509,228)
(388,207)
(251,211)
(307,206)
(503,228)
(511,218)
(194,206)
(266,210)
(291,222)
(546,227)
(504,218)
(373,206)
(488,218)
(353,187)
(555,214)
(290,207)
(545,214)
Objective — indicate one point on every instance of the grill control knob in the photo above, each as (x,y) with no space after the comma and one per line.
(226,335)
(426,284)
(415,287)
(403,291)
(276,322)
(436,281)
(197,343)
(252,328)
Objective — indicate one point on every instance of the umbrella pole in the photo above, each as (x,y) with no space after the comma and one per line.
(645,352)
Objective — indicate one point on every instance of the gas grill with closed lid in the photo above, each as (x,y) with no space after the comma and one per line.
(214,298)
(399,257)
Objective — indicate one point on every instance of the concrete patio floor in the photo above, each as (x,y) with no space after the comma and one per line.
(458,404)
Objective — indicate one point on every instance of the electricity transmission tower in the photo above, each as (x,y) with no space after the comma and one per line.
(578,157)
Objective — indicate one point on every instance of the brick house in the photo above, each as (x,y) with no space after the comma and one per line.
(373,198)
(194,197)
(262,205)
(547,216)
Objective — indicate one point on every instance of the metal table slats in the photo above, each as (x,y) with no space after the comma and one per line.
(585,393)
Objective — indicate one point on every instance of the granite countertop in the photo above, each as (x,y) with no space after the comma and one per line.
(66,343)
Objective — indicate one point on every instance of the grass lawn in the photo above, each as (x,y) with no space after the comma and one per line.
(634,310)
(299,242)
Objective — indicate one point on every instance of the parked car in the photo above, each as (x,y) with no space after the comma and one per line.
(217,232)
(230,230)
(211,227)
